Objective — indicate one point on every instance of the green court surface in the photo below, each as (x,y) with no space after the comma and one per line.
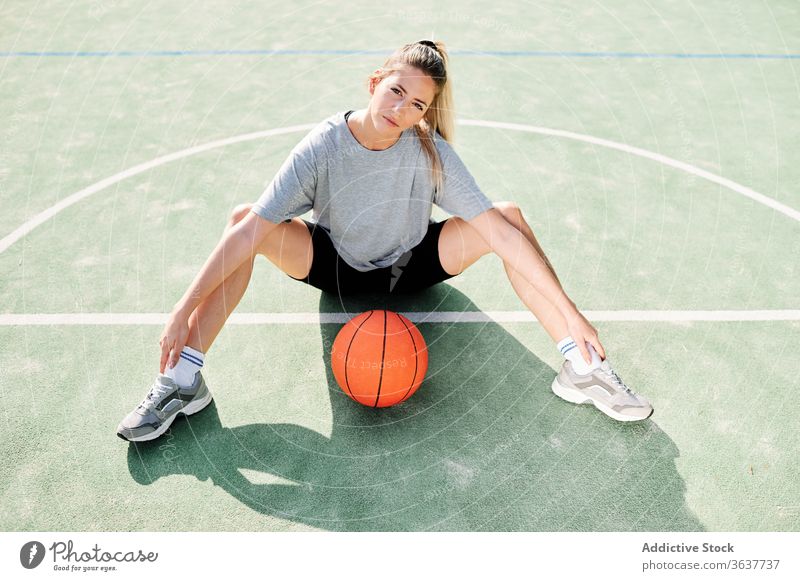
(654,153)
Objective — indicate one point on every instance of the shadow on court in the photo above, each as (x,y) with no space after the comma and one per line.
(483,445)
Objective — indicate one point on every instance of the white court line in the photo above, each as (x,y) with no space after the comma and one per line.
(29,225)
(69,319)
(72,199)
(688,168)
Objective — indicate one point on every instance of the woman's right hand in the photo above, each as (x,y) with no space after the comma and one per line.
(173,339)
(582,332)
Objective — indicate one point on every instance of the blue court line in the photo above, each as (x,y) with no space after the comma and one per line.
(497,53)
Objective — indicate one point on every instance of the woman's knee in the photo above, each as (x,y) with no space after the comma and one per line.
(239,213)
(512,213)
(509,210)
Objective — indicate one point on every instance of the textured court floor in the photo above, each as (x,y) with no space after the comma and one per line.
(654,152)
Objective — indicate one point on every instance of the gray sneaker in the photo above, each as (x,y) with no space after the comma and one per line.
(604,389)
(161,406)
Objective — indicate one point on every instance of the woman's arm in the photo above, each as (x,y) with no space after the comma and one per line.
(515,250)
(239,243)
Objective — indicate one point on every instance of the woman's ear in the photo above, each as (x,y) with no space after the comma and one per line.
(373,81)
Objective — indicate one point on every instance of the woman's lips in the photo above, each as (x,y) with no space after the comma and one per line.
(389,121)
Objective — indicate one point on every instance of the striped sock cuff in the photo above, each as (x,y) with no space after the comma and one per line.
(565,345)
(192,356)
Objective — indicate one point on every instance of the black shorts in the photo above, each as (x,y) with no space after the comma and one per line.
(415,270)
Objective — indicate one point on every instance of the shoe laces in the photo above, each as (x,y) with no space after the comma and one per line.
(609,372)
(156,393)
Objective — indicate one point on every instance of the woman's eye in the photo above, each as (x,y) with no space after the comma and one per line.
(396,90)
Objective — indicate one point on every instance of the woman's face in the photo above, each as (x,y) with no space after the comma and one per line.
(403,98)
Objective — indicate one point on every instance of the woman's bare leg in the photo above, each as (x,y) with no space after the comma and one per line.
(288,247)
(460,246)
(549,316)
(208,318)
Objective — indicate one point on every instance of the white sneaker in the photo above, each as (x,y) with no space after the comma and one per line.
(604,389)
(165,401)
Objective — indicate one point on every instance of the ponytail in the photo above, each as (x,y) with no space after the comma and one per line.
(431,58)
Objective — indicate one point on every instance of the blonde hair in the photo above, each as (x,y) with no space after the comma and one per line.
(431,58)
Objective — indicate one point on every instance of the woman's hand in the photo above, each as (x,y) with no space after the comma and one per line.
(173,339)
(582,332)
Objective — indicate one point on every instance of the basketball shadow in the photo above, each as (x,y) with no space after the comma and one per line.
(482,445)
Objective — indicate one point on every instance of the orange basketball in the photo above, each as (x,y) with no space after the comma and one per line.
(379,358)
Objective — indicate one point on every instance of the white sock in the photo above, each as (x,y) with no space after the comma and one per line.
(569,349)
(189,363)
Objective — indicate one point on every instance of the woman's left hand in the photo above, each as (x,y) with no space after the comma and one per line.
(582,332)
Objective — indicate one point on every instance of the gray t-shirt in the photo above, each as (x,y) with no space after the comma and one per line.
(376,205)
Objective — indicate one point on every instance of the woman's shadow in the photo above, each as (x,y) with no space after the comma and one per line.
(482,445)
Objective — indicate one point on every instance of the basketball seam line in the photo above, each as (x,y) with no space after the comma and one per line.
(416,358)
(347,355)
(383,356)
